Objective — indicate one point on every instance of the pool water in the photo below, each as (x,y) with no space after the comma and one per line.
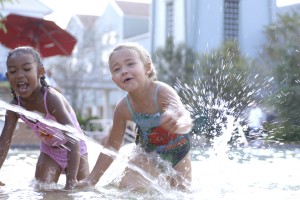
(244,173)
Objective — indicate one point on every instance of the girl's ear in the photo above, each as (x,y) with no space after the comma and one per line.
(41,71)
(148,68)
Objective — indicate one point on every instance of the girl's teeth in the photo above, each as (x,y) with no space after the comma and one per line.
(22,87)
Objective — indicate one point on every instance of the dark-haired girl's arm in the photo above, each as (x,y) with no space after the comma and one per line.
(73,163)
(59,108)
(10,123)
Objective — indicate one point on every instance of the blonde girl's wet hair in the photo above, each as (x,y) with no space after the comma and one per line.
(142,53)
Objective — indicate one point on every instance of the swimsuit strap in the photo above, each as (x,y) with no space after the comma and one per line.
(155,98)
(18,100)
(130,109)
(45,100)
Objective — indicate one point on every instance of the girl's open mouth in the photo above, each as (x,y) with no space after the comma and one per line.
(127,79)
(22,86)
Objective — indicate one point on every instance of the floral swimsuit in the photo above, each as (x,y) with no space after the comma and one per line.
(151,137)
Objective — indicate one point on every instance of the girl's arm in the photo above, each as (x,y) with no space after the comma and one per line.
(113,143)
(58,107)
(10,123)
(176,118)
(73,163)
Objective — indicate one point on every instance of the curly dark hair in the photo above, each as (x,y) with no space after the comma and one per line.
(37,57)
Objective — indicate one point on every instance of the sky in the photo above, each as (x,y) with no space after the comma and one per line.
(64,9)
(281,3)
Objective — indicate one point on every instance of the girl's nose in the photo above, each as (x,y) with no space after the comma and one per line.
(124,70)
(19,74)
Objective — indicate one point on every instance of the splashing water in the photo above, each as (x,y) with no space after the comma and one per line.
(220,144)
(37,117)
(219,171)
(111,174)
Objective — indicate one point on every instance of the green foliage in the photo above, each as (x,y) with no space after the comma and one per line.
(83,121)
(224,86)
(212,85)
(225,75)
(4,84)
(282,56)
(2,26)
(174,62)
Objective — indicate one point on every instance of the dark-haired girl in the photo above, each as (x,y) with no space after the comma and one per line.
(61,152)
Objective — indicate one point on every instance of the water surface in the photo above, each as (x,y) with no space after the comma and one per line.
(244,173)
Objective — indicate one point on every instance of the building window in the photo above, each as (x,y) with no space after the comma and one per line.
(231,19)
(109,38)
(170,19)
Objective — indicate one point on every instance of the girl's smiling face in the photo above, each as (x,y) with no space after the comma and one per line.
(23,73)
(127,69)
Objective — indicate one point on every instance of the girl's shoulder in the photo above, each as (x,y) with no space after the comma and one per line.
(121,109)
(121,105)
(167,95)
(164,89)
(55,100)
(10,114)
(52,95)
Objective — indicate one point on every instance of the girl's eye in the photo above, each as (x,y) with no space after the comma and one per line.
(27,69)
(116,69)
(130,64)
(12,71)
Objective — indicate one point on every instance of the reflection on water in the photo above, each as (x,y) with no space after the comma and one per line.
(247,173)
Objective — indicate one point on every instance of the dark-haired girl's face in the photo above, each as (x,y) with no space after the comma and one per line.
(23,74)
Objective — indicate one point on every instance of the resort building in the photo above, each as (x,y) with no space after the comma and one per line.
(204,25)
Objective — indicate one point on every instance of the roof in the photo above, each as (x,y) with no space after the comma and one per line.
(134,8)
(87,20)
(33,8)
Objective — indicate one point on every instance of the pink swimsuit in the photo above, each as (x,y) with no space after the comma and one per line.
(53,139)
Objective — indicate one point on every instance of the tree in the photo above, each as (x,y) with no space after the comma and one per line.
(174,62)
(282,56)
(225,86)
(84,74)
(2,27)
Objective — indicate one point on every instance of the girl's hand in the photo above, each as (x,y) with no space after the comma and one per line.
(175,122)
(71,185)
(85,183)
(169,121)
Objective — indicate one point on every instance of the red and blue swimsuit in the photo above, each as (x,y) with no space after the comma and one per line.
(151,137)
